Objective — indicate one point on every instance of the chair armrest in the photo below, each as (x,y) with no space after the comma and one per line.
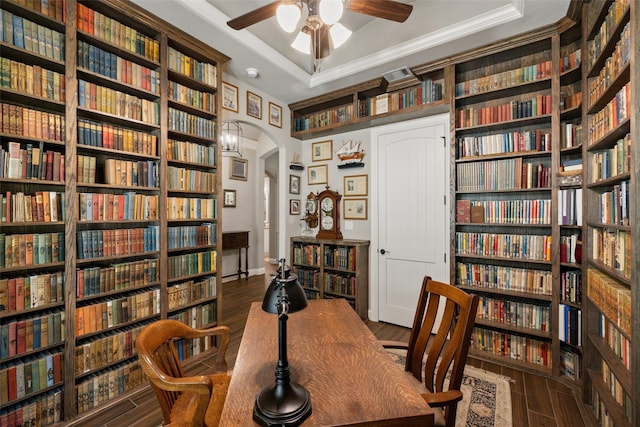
(200,384)
(443,398)
(394,344)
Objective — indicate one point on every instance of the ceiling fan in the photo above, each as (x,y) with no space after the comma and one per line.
(322,34)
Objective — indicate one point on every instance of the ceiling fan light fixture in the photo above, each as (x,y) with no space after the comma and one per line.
(288,14)
(331,11)
(302,43)
(339,34)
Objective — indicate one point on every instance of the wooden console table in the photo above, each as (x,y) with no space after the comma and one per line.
(237,240)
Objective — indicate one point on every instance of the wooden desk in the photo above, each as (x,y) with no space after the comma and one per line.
(335,356)
(237,240)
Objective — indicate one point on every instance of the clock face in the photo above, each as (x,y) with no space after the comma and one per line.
(327,204)
(327,223)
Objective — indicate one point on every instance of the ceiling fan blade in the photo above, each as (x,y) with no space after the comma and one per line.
(255,16)
(320,39)
(386,9)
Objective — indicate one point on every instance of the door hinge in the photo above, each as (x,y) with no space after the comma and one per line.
(445,199)
(445,257)
(444,141)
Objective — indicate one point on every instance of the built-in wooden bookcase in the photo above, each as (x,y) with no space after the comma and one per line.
(333,269)
(109,175)
(612,210)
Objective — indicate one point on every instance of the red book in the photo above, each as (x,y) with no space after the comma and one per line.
(57,368)
(12,294)
(49,166)
(13,385)
(21,340)
(13,335)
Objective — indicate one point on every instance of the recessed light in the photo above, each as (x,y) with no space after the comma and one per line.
(252,72)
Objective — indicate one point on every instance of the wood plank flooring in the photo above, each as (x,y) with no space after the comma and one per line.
(536,400)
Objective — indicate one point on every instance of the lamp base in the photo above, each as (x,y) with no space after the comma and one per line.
(282,405)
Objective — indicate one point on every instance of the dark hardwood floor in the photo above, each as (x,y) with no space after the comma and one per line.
(536,400)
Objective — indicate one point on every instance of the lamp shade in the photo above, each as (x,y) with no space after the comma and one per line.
(331,11)
(295,295)
(288,15)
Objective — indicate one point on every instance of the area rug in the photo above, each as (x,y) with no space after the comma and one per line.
(486,400)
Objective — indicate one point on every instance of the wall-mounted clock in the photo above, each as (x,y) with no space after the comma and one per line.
(329,215)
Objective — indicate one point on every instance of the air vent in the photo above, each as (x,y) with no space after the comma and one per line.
(397,75)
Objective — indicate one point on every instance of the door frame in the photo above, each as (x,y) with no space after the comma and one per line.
(374,289)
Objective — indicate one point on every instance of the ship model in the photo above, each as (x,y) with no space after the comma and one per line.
(350,152)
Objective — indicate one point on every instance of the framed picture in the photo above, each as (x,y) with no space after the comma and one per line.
(317,174)
(355,208)
(238,169)
(275,115)
(294,207)
(294,184)
(355,185)
(254,105)
(229,97)
(322,150)
(229,198)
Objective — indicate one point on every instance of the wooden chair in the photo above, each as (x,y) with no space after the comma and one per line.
(443,349)
(185,401)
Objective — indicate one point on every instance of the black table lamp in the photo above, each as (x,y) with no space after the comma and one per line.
(285,403)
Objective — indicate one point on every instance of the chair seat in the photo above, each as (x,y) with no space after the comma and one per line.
(182,413)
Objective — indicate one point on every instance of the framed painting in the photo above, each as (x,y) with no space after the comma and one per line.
(238,169)
(321,150)
(294,207)
(317,174)
(275,115)
(254,105)
(229,198)
(355,185)
(355,208)
(294,184)
(229,97)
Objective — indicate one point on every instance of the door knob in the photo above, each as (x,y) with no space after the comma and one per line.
(382,252)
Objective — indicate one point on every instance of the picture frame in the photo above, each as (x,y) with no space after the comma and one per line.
(238,168)
(294,184)
(322,150)
(356,185)
(229,97)
(294,207)
(254,105)
(355,209)
(275,115)
(229,200)
(317,174)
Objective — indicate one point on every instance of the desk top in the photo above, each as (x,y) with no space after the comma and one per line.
(334,355)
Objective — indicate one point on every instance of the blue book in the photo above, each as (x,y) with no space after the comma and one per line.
(1,25)
(36,333)
(18,32)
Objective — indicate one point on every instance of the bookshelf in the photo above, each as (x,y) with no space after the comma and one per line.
(333,269)
(109,199)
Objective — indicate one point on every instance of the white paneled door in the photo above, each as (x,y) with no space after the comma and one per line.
(412,213)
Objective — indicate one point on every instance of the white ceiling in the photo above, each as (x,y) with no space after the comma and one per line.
(436,29)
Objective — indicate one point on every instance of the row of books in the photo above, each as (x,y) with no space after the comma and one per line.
(86,169)
(611,162)
(187,236)
(191,208)
(106,350)
(570,206)
(570,135)
(54,9)
(201,316)
(613,66)
(30,162)
(116,277)
(570,324)
(513,246)
(37,290)
(426,92)
(505,79)
(515,313)
(28,35)
(190,292)
(570,364)
(181,121)
(97,134)
(611,115)
(515,347)
(116,33)
(344,285)
(108,385)
(308,278)
(570,100)
(614,16)
(489,276)
(121,104)
(537,106)
(110,65)
(571,61)
(612,299)
(189,66)
(109,313)
(571,248)
(503,174)
(191,180)
(613,206)
(191,264)
(117,207)
(615,339)
(25,250)
(599,409)
(195,98)
(306,254)
(35,374)
(613,249)
(187,348)
(508,142)
(342,257)
(517,211)
(32,80)
(191,152)
(132,173)
(25,336)
(45,410)
(620,395)
(108,243)
(571,286)
(23,121)
(42,206)
(324,118)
